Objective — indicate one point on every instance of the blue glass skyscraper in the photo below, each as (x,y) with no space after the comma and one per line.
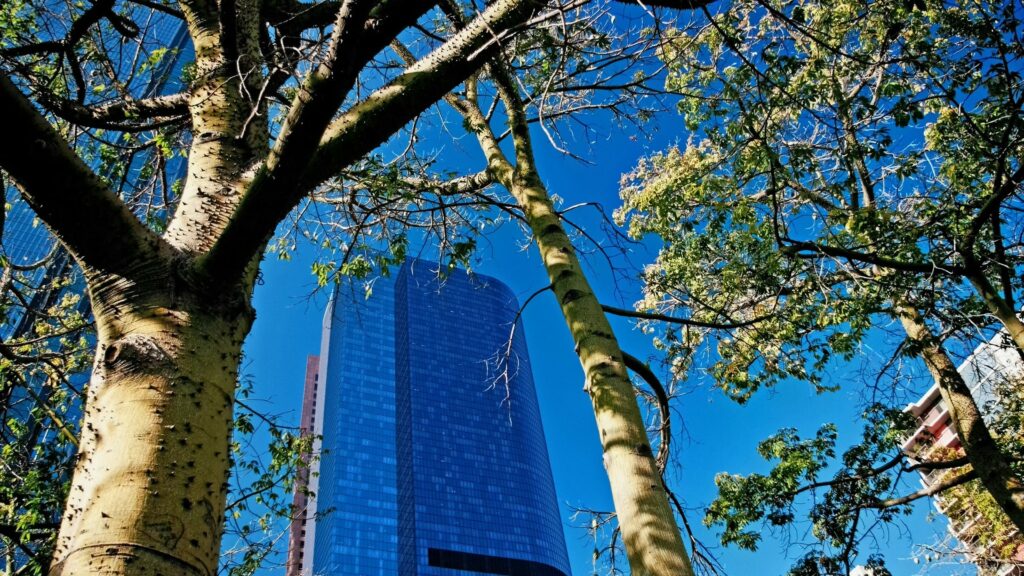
(355,488)
(434,456)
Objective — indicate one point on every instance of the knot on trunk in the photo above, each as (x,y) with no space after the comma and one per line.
(136,351)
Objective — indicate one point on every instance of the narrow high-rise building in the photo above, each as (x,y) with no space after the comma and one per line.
(297,531)
(433,453)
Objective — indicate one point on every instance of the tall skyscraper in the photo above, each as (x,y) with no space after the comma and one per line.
(297,531)
(434,456)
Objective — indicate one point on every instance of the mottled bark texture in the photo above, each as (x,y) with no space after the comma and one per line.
(149,488)
(654,545)
(984,455)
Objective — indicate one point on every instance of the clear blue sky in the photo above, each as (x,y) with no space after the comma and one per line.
(719,434)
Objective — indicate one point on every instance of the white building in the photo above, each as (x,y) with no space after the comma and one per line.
(989,364)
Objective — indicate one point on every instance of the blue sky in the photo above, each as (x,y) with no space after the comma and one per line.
(719,434)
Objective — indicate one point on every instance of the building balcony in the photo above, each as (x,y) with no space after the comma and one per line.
(936,416)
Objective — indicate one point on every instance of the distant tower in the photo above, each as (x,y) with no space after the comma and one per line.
(300,522)
(431,462)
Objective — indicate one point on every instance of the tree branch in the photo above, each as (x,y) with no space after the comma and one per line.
(676,320)
(296,16)
(795,247)
(274,192)
(932,490)
(642,370)
(676,4)
(96,12)
(991,207)
(73,201)
(123,116)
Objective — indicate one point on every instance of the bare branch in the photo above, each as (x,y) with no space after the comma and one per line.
(124,116)
(931,490)
(676,320)
(665,429)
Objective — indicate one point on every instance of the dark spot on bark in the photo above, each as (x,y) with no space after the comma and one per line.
(186,503)
(571,296)
(551,229)
(111,353)
(642,450)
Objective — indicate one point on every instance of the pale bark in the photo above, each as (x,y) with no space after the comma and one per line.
(228,135)
(654,544)
(984,455)
(149,488)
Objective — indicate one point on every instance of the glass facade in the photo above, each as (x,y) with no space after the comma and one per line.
(433,463)
(356,496)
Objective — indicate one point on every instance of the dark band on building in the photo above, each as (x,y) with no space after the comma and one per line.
(488,564)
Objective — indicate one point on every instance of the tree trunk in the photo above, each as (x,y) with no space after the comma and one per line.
(654,545)
(653,542)
(149,489)
(981,450)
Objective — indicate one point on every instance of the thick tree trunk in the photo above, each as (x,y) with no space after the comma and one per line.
(149,489)
(981,450)
(653,541)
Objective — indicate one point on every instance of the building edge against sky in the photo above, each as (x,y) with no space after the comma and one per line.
(430,463)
